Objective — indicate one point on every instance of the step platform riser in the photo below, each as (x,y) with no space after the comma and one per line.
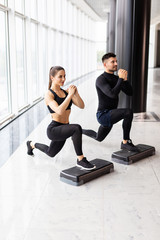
(77,176)
(126,157)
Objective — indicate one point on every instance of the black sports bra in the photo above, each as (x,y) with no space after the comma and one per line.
(59,100)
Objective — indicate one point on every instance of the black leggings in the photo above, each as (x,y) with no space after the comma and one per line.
(58,133)
(115,116)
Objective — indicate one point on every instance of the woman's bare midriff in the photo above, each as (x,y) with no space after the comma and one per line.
(64,118)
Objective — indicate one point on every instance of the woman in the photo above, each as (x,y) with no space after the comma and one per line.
(59,103)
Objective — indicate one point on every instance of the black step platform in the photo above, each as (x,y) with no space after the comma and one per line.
(126,157)
(77,176)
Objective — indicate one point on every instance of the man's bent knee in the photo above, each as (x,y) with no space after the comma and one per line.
(129,112)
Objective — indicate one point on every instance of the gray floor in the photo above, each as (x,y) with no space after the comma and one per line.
(123,205)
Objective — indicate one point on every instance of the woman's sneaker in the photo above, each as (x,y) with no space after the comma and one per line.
(29,148)
(129,146)
(84,164)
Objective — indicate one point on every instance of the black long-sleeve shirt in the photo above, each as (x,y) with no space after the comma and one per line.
(108,88)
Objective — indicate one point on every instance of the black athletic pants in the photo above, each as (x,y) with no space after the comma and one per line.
(114,115)
(58,133)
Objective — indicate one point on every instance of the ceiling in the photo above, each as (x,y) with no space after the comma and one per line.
(101,7)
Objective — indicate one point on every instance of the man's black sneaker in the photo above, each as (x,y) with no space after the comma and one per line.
(84,164)
(29,148)
(129,146)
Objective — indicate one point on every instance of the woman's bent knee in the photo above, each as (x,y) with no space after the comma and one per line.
(78,128)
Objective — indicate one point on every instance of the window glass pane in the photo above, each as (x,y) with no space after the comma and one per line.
(79,57)
(58,48)
(2,2)
(19,6)
(70,16)
(4,108)
(9,3)
(45,62)
(20,62)
(40,11)
(33,8)
(54,15)
(69,73)
(79,24)
(59,15)
(27,7)
(42,6)
(34,60)
(53,48)
(50,11)
(65,51)
(64,14)
(74,15)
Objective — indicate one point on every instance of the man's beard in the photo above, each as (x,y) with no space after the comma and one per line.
(114,69)
(111,70)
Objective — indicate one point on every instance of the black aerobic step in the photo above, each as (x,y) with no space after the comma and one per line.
(128,157)
(77,176)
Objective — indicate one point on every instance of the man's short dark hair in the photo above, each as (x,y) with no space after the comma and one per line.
(107,56)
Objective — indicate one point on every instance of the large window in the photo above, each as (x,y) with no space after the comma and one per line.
(35,35)
(20,72)
(4,87)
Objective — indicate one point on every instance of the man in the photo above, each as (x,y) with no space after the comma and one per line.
(108,87)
